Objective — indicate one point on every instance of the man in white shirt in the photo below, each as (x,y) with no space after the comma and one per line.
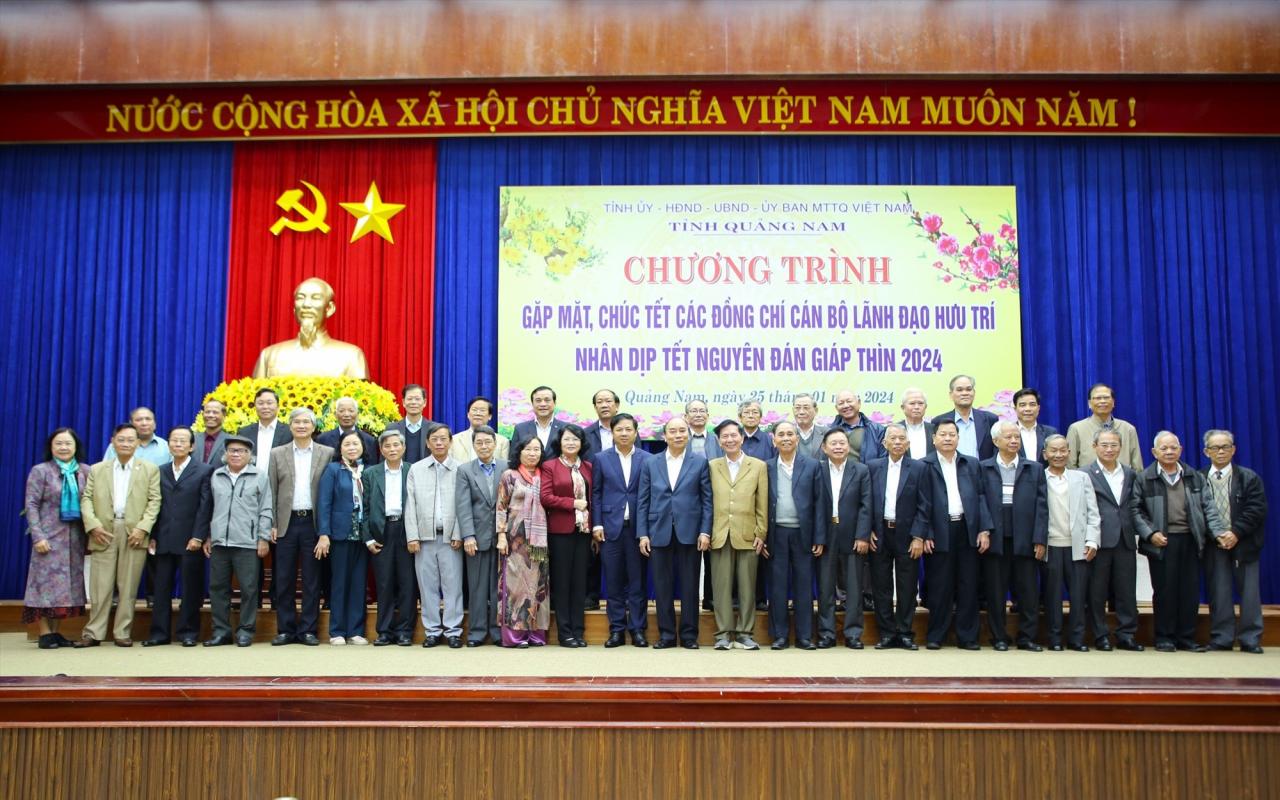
(435,539)
(385,496)
(1114,570)
(1026,404)
(615,489)
(919,430)
(267,432)
(1073,543)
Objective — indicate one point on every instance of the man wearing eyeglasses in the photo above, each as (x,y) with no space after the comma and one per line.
(1102,402)
(1241,501)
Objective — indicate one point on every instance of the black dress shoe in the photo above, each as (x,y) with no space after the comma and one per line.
(383,640)
(581,642)
(474,642)
(853,644)
(282,638)
(309,639)
(707,605)
(762,605)
(1255,649)
(62,640)
(189,641)
(1057,648)
(243,640)
(969,646)
(571,642)
(1192,647)
(1103,645)
(1000,647)
(431,641)
(1165,647)
(779,644)
(1130,645)
(1079,648)
(933,646)
(405,640)
(689,644)
(806,644)
(907,644)
(664,644)
(638,639)
(826,642)
(886,644)
(1030,647)
(455,642)
(154,642)
(592,604)
(48,642)
(615,639)
(1220,647)
(218,641)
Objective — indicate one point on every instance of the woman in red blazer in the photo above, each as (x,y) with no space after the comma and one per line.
(566,494)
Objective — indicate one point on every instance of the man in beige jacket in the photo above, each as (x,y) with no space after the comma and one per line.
(119,506)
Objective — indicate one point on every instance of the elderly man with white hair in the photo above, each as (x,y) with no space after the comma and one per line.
(294,471)
(347,412)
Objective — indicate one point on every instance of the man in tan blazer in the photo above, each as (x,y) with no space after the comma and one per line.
(739,524)
(119,506)
(296,497)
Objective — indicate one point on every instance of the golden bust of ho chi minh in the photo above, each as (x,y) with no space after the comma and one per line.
(313,352)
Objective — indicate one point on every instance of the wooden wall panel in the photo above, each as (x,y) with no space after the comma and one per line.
(569,763)
(201,41)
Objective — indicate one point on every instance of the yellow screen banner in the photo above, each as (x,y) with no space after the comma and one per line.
(725,293)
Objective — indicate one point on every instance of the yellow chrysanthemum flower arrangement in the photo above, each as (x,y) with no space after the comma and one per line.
(378,406)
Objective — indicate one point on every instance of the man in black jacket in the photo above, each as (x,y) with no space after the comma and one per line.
(1242,503)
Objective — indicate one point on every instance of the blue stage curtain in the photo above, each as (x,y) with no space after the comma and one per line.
(1148,263)
(116,260)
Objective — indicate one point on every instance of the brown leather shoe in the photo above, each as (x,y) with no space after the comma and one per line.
(124,642)
(85,641)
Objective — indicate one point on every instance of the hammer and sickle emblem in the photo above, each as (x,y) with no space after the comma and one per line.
(311,220)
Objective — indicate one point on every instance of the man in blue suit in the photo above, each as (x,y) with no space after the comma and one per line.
(673,514)
(1016,492)
(895,553)
(955,524)
(544,424)
(797,534)
(615,506)
(973,424)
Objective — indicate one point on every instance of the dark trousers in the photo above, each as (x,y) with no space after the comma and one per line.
(675,568)
(891,571)
(568,555)
(294,550)
(1075,575)
(168,565)
(1220,569)
(832,567)
(396,581)
(624,579)
(482,595)
(1176,582)
(350,564)
(791,562)
(223,561)
(1114,572)
(953,588)
(1006,571)
(594,571)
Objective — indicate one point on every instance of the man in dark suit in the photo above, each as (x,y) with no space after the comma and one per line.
(955,524)
(414,426)
(385,495)
(919,430)
(614,502)
(476,494)
(268,432)
(293,473)
(797,535)
(544,424)
(895,553)
(1016,494)
(673,516)
(846,499)
(1242,503)
(1177,519)
(185,505)
(1114,571)
(973,424)
(211,443)
(347,410)
(600,432)
(1026,404)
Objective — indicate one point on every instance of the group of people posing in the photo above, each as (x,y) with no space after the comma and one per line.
(993,509)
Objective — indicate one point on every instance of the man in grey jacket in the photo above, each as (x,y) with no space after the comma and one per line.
(476,493)
(237,539)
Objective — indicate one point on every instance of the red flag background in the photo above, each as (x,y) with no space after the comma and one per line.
(383,290)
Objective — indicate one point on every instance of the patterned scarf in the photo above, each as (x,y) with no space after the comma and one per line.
(534,515)
(579,492)
(69,506)
(356,468)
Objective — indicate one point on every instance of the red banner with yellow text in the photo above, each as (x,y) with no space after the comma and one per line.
(1090,106)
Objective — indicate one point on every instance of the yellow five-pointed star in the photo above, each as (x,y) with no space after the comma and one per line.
(372,215)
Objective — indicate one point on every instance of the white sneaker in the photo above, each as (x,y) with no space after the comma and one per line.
(357,640)
(337,641)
